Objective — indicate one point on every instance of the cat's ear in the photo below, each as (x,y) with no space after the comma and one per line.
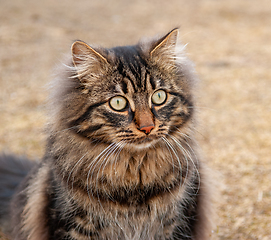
(85,58)
(164,49)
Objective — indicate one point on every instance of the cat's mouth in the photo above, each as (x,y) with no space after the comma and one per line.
(145,142)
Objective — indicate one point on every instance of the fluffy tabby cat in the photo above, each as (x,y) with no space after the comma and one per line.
(121,161)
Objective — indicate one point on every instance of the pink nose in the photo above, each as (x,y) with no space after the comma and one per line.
(146,129)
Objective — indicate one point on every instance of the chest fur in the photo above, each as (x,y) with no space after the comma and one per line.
(114,221)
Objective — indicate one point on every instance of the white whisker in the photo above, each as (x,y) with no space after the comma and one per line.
(173,164)
(122,145)
(178,159)
(105,161)
(78,162)
(73,127)
(185,152)
(91,167)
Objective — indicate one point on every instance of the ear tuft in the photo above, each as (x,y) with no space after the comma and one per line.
(163,51)
(87,61)
(82,52)
(168,42)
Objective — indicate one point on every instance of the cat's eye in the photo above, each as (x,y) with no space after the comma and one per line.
(159,97)
(118,103)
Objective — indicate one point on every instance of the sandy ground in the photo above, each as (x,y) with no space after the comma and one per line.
(230,43)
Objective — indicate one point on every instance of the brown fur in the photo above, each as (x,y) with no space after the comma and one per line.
(132,173)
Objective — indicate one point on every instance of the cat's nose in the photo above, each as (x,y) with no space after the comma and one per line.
(146,129)
(144,120)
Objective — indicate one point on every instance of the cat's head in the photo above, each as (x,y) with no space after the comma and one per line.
(132,95)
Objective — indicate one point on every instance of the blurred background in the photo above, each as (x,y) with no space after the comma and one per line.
(230,43)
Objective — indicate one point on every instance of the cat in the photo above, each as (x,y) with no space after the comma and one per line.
(121,160)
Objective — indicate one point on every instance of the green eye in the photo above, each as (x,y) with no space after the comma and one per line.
(159,97)
(118,103)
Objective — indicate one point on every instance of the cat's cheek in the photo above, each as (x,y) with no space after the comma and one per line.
(115,119)
(162,114)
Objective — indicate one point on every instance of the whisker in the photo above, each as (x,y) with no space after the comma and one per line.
(122,145)
(78,162)
(104,163)
(199,107)
(91,167)
(187,136)
(179,162)
(187,144)
(179,158)
(170,154)
(189,156)
(73,127)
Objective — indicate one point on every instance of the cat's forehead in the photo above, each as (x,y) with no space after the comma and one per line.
(135,74)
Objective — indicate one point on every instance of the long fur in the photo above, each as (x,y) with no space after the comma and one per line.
(103,176)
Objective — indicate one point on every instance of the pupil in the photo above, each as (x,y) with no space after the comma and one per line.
(118,101)
(159,95)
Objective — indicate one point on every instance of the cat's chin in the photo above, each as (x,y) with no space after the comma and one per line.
(144,144)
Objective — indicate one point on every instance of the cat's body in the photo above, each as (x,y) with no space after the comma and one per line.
(121,161)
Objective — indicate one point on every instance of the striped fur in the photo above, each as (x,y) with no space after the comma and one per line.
(104,176)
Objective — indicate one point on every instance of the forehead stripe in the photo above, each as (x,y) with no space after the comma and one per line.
(152,82)
(124,73)
(124,87)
